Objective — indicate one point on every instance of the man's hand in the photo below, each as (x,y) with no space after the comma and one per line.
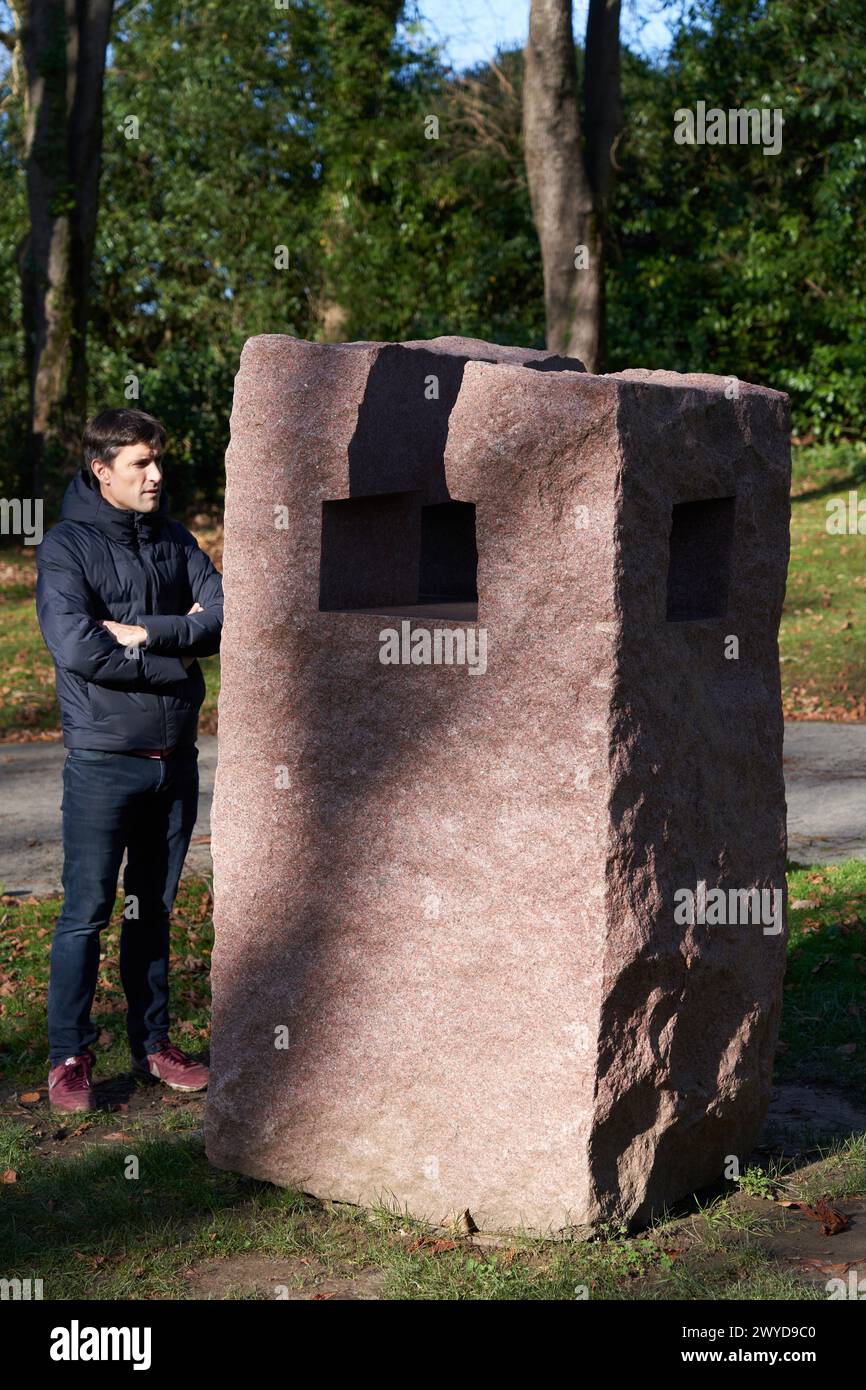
(127,634)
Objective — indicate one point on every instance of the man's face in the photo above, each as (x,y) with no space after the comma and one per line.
(134,481)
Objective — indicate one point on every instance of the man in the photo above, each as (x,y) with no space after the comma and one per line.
(126,602)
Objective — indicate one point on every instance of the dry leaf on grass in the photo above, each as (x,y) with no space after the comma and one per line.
(832,1221)
(434,1245)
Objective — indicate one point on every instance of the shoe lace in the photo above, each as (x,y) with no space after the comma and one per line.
(175,1055)
(78,1075)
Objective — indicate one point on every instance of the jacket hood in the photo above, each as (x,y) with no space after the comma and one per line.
(82,502)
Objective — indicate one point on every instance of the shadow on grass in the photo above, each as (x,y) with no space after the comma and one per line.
(128,1220)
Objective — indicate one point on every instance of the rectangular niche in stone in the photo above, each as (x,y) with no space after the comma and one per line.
(449,556)
(370,549)
(702,540)
(456,897)
(392,552)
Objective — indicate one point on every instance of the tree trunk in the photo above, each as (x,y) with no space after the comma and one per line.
(63,44)
(569,192)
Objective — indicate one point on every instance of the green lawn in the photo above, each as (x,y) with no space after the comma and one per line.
(823,636)
(823,1038)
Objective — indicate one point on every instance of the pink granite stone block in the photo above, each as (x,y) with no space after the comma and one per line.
(450,967)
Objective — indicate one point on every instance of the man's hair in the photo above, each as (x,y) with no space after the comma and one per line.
(111,430)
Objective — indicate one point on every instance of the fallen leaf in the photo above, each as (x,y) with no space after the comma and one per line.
(437,1245)
(833,1221)
(28,1097)
(9,1175)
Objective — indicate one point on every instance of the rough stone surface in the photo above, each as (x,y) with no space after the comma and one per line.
(455,890)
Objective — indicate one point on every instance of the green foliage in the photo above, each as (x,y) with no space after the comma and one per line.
(309,128)
(194,209)
(756,1183)
(729,260)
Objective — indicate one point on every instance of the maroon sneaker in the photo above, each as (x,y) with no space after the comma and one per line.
(174,1067)
(69,1084)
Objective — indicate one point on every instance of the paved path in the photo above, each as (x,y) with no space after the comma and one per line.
(825,778)
(825,774)
(31,841)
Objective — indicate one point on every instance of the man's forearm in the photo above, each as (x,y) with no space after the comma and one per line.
(170,634)
(142,635)
(186,657)
(136,635)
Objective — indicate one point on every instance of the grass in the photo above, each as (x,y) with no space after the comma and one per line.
(28,704)
(88,1230)
(25,936)
(823,634)
(74,1217)
(823,1037)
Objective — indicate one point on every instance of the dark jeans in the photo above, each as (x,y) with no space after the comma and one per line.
(112,802)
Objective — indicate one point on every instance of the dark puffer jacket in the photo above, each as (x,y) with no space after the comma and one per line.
(108,562)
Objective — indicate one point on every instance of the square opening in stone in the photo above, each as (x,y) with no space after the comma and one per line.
(699,568)
(390,553)
(449,557)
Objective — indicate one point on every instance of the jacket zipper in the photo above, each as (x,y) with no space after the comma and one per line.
(147,605)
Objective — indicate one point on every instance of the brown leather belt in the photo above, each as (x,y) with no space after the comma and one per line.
(151,752)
